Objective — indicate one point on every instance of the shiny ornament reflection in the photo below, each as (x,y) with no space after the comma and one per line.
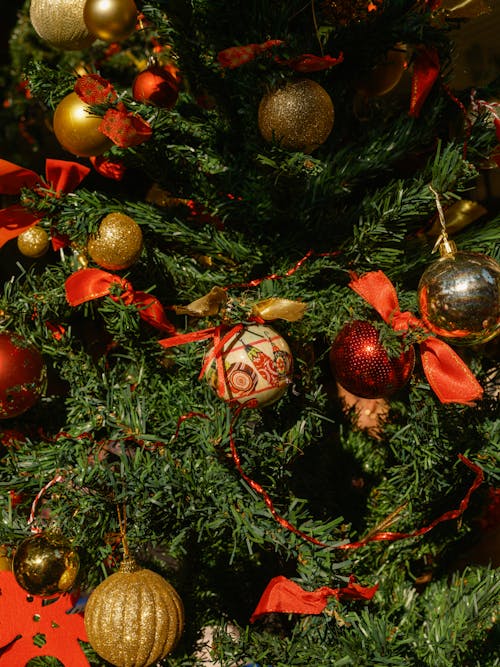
(110,20)
(77,130)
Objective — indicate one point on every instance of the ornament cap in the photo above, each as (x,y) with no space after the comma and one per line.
(129,565)
(447,247)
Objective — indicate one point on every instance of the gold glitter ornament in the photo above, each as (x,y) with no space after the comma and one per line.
(117,244)
(34,242)
(111,20)
(459,296)
(61,23)
(77,130)
(134,618)
(45,564)
(297,116)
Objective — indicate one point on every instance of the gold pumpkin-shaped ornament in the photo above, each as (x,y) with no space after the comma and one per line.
(134,617)
(61,23)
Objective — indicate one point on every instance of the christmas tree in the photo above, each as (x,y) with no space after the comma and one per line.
(249,335)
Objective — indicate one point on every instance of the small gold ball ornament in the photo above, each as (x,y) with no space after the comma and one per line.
(111,20)
(297,116)
(77,130)
(61,24)
(45,564)
(34,242)
(117,244)
(134,617)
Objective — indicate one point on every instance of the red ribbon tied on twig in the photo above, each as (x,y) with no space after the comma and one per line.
(61,176)
(450,378)
(88,284)
(287,597)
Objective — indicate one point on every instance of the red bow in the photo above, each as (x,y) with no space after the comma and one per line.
(449,377)
(425,73)
(88,284)
(60,176)
(287,597)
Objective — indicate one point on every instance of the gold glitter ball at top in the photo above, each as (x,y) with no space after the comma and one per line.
(117,244)
(134,618)
(459,298)
(297,116)
(45,564)
(60,22)
(34,242)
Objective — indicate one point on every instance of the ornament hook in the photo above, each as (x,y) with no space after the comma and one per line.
(446,247)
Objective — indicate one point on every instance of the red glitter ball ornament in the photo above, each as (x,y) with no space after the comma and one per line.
(157,85)
(22,375)
(362,366)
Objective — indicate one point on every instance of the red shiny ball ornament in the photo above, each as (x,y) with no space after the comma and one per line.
(156,85)
(361,364)
(22,375)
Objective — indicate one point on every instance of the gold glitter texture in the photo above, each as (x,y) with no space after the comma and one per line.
(134,617)
(60,22)
(117,244)
(34,242)
(298,116)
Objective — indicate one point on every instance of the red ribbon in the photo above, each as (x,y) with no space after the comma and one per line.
(60,176)
(88,284)
(110,168)
(308,62)
(284,596)
(450,378)
(425,73)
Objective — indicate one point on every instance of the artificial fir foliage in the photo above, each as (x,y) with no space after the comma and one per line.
(238,230)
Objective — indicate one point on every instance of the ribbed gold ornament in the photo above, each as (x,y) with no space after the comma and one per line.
(134,617)
(34,242)
(297,116)
(111,20)
(77,130)
(61,23)
(118,242)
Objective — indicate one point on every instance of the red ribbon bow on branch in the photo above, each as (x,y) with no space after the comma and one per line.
(88,284)
(60,176)
(450,378)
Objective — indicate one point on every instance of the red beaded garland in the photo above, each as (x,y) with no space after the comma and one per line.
(22,375)
(156,85)
(362,366)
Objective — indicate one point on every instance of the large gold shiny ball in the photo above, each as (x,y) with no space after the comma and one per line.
(45,564)
(117,244)
(77,130)
(134,618)
(297,116)
(60,22)
(459,298)
(111,20)
(34,242)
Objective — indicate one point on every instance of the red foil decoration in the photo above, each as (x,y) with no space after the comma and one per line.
(361,364)
(425,73)
(22,375)
(125,128)
(94,89)
(235,56)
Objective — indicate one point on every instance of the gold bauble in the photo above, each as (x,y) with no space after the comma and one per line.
(134,618)
(385,75)
(77,130)
(45,564)
(297,116)
(111,20)
(117,244)
(34,242)
(5,561)
(60,22)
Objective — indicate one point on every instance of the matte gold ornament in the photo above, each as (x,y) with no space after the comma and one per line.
(34,242)
(134,618)
(111,20)
(297,116)
(61,23)
(77,130)
(459,296)
(45,564)
(117,244)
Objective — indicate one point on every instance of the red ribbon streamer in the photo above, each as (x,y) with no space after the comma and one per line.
(310,63)
(88,284)
(425,73)
(450,378)
(284,596)
(60,176)
(235,56)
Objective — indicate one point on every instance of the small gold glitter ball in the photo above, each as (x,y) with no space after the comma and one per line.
(117,244)
(34,242)
(297,116)
(134,617)
(45,564)
(110,20)
(77,130)
(60,22)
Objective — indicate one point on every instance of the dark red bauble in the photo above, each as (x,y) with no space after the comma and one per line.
(156,85)
(362,366)
(22,375)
